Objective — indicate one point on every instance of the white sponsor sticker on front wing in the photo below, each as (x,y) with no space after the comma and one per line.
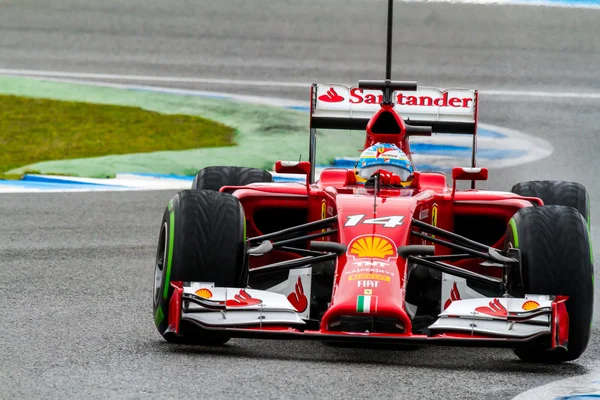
(497,307)
(236,298)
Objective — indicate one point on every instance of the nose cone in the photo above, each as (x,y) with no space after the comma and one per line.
(369,284)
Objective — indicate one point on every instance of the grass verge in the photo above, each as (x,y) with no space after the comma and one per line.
(34,130)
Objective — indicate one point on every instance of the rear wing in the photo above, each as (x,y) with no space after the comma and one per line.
(336,106)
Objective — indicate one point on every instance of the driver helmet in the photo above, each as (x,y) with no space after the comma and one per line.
(384,156)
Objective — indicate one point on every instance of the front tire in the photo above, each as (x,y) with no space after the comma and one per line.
(202,238)
(556,260)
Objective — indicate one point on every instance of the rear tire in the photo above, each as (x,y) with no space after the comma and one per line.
(214,178)
(202,238)
(556,260)
(571,194)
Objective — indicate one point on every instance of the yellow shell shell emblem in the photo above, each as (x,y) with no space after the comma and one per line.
(372,246)
(530,305)
(204,293)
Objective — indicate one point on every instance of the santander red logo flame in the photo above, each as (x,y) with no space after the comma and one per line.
(331,96)
(297,298)
(495,309)
(454,295)
(242,299)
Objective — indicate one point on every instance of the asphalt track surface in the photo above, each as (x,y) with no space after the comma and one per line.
(76,269)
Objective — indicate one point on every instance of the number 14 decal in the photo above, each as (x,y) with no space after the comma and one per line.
(387,222)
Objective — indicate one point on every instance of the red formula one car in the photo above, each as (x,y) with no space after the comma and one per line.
(336,261)
(242,256)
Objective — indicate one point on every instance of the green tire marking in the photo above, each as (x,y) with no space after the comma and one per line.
(590,233)
(591,250)
(170,205)
(159,316)
(170,256)
(513,226)
(588,220)
(587,203)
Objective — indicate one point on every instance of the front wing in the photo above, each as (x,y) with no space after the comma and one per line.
(480,322)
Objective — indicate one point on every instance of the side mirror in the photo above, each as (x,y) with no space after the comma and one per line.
(292,167)
(468,174)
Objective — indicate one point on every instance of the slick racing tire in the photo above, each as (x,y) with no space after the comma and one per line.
(556,259)
(214,178)
(571,194)
(202,238)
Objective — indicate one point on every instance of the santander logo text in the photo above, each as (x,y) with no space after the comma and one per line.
(331,96)
(357,97)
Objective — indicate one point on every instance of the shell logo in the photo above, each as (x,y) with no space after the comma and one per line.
(530,305)
(372,247)
(204,293)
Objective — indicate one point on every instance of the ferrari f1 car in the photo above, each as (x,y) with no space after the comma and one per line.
(335,261)
(242,256)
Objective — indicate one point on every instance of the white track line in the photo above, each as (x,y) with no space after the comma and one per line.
(270,101)
(572,95)
(573,387)
(234,82)
(535,3)
(143,78)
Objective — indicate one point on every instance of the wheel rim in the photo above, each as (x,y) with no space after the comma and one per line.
(161,254)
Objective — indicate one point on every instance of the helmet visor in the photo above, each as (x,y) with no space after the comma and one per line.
(403,173)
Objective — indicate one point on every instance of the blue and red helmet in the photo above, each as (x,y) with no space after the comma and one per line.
(384,156)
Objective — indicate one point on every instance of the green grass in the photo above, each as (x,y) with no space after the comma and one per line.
(34,130)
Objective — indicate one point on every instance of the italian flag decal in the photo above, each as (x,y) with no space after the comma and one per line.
(366,304)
